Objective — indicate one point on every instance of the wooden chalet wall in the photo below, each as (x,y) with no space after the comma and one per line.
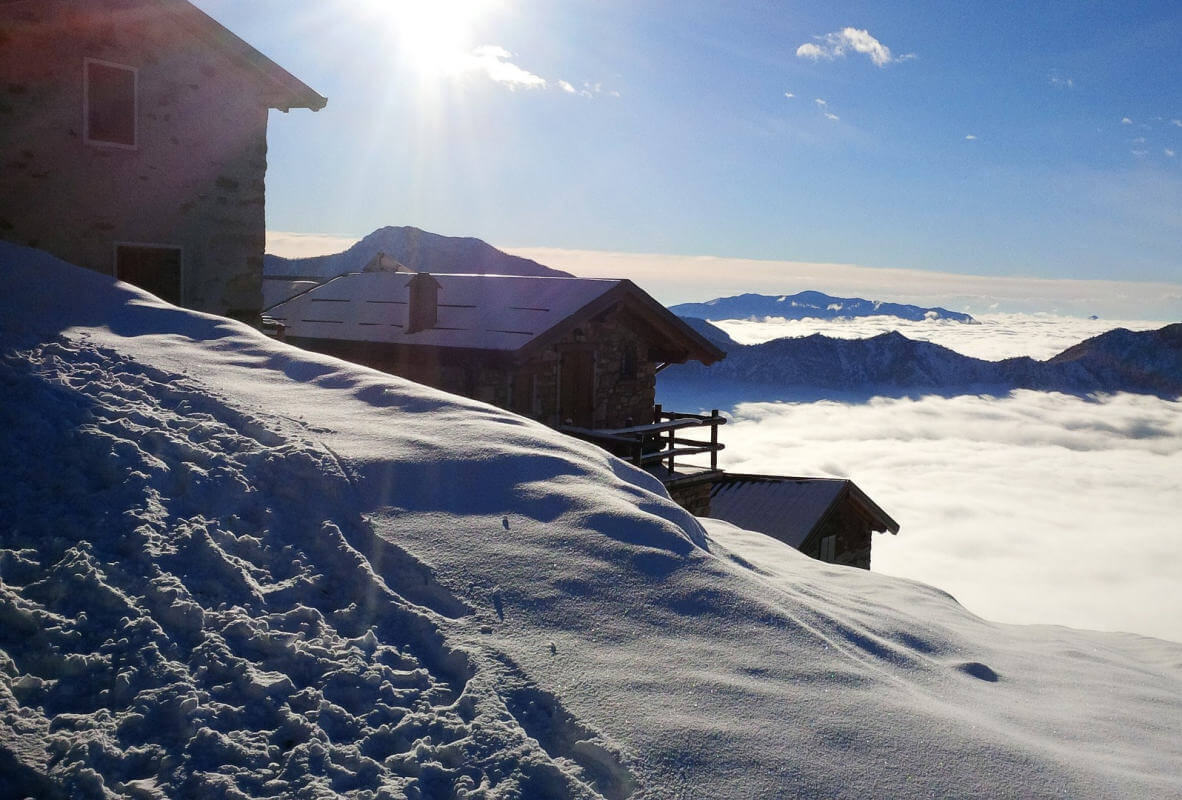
(853,533)
(622,383)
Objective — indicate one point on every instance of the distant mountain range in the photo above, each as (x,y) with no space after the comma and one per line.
(418,249)
(808,305)
(1147,362)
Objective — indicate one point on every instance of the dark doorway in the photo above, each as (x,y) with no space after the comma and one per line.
(154,269)
(576,393)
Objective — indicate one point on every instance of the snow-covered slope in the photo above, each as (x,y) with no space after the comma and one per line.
(803,305)
(231,568)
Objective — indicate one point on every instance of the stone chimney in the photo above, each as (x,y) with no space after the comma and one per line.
(423,310)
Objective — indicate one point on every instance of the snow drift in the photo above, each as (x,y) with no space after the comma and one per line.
(230,568)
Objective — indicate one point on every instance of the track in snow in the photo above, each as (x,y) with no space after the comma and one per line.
(191,606)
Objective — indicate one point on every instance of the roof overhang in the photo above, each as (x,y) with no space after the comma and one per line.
(283,91)
(881,522)
(676,341)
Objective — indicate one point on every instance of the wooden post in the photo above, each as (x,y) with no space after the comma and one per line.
(657,413)
(714,439)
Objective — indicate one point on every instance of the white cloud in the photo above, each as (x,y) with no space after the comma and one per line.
(1139,153)
(970,138)
(837,44)
(689,278)
(492,61)
(1176,123)
(1061,82)
(597,88)
(303,245)
(1125,121)
(811,51)
(1169,152)
(789,95)
(588,89)
(1139,140)
(824,106)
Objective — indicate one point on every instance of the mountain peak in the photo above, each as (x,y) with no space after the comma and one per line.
(809,304)
(418,250)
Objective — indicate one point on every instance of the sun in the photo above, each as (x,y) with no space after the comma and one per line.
(432,37)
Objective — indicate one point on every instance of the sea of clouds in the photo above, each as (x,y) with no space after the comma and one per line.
(996,336)
(1033,508)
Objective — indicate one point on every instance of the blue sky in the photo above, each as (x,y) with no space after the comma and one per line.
(665,127)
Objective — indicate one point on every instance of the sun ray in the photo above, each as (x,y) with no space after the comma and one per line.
(434,39)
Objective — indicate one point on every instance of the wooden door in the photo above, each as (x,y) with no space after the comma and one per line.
(155,269)
(576,390)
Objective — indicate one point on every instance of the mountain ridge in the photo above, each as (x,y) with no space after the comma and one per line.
(809,304)
(418,249)
(1143,362)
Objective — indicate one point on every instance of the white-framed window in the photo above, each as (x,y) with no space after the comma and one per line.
(110,103)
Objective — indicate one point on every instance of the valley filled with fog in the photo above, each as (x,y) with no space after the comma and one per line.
(1031,507)
(993,337)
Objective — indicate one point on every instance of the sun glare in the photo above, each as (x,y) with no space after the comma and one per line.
(433,37)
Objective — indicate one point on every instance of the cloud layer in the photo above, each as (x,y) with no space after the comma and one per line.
(835,45)
(683,278)
(303,245)
(1036,508)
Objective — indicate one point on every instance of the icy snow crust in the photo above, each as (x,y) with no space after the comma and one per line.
(229,568)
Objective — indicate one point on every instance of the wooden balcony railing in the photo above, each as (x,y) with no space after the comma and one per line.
(659,441)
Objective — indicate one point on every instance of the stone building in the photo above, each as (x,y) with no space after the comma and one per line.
(565,351)
(133,141)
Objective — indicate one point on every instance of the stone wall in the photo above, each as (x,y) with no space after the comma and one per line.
(619,396)
(195,178)
(693,496)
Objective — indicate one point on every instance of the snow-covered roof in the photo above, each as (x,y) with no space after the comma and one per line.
(276,290)
(788,508)
(484,312)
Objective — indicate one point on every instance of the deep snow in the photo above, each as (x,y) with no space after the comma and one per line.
(231,568)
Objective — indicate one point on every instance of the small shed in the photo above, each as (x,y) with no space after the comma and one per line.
(830,519)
